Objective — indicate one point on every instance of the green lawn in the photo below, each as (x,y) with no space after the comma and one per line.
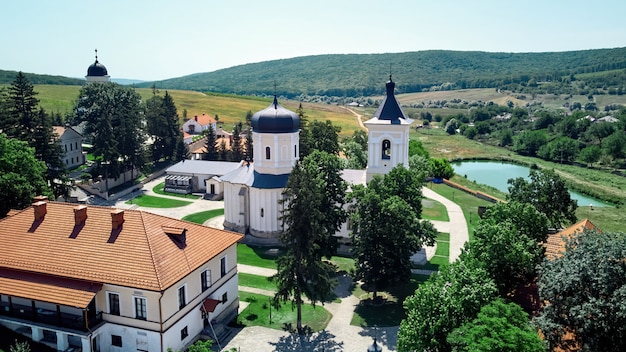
(203,216)
(259,310)
(255,256)
(433,210)
(468,203)
(256,281)
(343,264)
(442,252)
(160,189)
(157,202)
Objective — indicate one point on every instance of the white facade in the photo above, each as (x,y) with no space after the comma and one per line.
(388,146)
(199,124)
(72,145)
(275,153)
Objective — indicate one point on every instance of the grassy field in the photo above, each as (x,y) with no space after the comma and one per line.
(157,202)
(256,281)
(203,216)
(433,210)
(229,109)
(259,312)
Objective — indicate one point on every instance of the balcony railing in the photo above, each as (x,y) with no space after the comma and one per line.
(50,317)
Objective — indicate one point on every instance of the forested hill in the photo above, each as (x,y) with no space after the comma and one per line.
(6,77)
(364,74)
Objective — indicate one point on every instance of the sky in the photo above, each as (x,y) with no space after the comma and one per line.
(154,39)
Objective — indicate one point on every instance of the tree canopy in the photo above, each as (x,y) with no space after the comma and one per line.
(22,176)
(499,326)
(547,192)
(113,117)
(445,302)
(585,293)
(386,228)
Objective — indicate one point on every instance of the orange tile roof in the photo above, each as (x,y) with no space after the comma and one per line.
(47,288)
(555,244)
(204,119)
(140,254)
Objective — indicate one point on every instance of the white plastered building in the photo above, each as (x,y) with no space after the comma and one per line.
(253,192)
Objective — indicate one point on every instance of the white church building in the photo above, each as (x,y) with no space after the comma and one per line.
(252,191)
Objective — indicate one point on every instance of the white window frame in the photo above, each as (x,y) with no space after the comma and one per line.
(109,302)
(184,287)
(207,280)
(224,268)
(135,315)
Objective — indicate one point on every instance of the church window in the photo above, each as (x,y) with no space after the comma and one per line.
(386,149)
(262,212)
(267,153)
(295,150)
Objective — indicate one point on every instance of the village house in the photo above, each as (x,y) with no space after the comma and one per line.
(72,145)
(101,279)
(199,124)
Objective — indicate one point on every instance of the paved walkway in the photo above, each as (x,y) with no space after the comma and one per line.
(456,227)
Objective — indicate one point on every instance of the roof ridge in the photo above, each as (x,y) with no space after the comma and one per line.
(157,273)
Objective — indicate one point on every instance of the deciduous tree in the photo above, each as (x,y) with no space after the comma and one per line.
(387,229)
(547,192)
(22,176)
(499,326)
(325,136)
(445,302)
(585,293)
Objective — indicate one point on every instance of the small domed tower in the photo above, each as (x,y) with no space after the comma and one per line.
(97,72)
(388,136)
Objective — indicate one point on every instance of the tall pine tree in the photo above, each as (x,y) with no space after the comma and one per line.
(235,147)
(210,145)
(314,199)
(22,109)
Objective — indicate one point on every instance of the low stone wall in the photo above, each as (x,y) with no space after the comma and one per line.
(478,194)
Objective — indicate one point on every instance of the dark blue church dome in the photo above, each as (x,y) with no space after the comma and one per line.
(275,119)
(97,69)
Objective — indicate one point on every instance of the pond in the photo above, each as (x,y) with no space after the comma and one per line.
(496,174)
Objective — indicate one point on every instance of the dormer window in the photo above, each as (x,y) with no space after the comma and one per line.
(386,151)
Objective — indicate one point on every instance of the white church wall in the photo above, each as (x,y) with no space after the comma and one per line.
(265,211)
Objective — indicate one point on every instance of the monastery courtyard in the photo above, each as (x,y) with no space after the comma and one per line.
(339,335)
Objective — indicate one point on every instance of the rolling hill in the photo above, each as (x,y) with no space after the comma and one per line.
(354,75)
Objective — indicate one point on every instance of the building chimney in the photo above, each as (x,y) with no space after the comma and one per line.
(117,218)
(40,210)
(80,214)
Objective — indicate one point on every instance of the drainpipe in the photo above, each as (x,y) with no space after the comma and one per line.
(161,320)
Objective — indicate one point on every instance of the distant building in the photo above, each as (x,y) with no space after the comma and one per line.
(72,144)
(100,279)
(199,124)
(97,72)
(193,176)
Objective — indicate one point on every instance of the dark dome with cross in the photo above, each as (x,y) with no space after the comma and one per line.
(97,69)
(275,119)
